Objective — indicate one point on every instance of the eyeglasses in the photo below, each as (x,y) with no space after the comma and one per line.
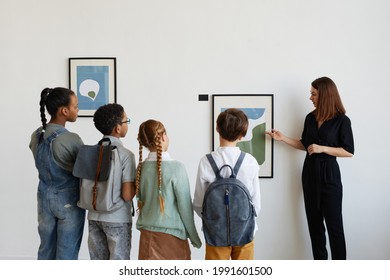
(126,121)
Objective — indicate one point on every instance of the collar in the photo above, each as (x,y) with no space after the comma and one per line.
(152,156)
(227,148)
(114,140)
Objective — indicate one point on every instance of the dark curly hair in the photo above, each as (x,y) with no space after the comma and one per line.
(107,117)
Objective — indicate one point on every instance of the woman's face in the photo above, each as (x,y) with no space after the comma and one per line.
(314,96)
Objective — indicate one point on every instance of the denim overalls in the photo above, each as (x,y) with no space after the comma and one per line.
(60,221)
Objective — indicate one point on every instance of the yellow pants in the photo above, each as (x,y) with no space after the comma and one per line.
(244,252)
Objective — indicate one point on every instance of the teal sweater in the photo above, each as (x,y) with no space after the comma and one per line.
(178,216)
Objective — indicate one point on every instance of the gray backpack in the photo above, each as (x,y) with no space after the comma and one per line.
(228,214)
(99,169)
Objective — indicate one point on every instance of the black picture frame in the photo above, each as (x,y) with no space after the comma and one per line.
(93,80)
(259,109)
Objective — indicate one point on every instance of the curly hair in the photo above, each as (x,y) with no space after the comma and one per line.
(107,117)
(149,136)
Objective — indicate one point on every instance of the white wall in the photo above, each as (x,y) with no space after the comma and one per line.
(170,51)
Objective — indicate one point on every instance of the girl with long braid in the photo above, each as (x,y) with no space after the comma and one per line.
(60,221)
(166,218)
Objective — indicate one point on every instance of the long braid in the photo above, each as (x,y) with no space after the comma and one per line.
(159,170)
(42,104)
(149,136)
(138,178)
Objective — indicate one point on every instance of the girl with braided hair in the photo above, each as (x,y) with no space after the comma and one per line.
(60,221)
(166,218)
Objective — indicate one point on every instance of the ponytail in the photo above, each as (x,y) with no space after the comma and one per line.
(53,99)
(42,104)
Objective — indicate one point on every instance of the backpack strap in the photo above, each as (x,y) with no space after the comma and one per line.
(105,142)
(214,165)
(102,144)
(238,163)
(218,170)
(98,168)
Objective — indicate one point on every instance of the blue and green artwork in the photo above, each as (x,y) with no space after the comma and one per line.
(92,86)
(254,141)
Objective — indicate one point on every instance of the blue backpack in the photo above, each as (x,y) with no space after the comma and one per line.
(228,214)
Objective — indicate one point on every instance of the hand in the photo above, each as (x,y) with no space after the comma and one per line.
(275,134)
(315,149)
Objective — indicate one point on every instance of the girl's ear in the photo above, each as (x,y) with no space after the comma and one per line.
(64,110)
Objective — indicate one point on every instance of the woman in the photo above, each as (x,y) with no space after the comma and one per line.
(327,134)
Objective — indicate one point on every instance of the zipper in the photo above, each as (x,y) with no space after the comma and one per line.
(227,215)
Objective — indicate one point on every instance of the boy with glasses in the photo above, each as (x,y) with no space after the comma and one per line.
(110,231)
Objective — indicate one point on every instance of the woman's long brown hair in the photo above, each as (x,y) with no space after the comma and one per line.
(329,102)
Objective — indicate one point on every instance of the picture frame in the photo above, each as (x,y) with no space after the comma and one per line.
(93,80)
(259,109)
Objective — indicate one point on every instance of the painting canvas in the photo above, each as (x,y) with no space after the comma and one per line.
(259,110)
(94,82)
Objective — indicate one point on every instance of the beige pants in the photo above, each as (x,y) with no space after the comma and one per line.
(162,246)
(244,252)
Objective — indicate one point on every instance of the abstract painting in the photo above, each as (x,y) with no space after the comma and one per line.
(259,110)
(94,82)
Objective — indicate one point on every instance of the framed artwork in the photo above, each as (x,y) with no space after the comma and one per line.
(259,109)
(94,82)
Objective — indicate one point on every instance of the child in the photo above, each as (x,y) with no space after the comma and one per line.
(110,232)
(166,216)
(60,221)
(232,126)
